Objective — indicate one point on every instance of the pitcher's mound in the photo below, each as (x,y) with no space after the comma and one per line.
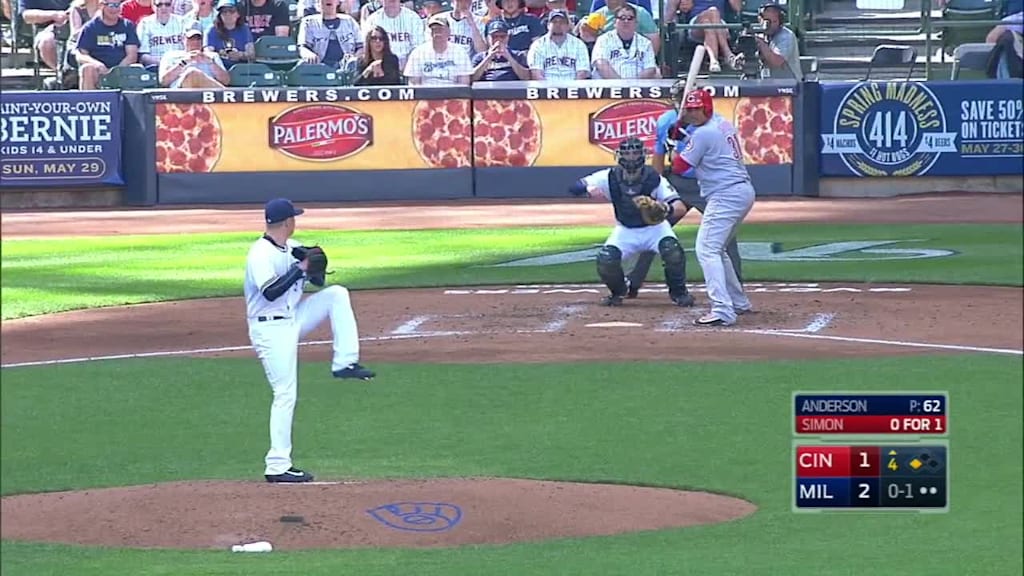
(413,513)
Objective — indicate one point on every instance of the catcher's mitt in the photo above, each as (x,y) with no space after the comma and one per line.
(652,211)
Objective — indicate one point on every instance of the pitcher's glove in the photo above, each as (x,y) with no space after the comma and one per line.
(316,269)
(652,211)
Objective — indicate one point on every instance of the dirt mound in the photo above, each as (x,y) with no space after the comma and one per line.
(403,513)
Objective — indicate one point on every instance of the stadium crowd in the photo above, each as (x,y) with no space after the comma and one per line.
(195,43)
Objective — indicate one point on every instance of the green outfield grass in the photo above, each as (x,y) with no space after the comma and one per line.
(44,276)
(718,426)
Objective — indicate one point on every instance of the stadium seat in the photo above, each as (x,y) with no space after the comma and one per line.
(890,55)
(129,78)
(245,75)
(972,58)
(304,74)
(965,11)
(809,68)
(279,53)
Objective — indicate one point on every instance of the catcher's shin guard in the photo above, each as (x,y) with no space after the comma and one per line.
(673,258)
(609,269)
(638,274)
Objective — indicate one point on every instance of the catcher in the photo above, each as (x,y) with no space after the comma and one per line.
(276,270)
(642,201)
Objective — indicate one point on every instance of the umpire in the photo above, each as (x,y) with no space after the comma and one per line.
(672,138)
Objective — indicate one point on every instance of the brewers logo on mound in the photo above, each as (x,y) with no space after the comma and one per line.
(889,129)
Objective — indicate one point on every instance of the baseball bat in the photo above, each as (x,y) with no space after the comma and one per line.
(691,75)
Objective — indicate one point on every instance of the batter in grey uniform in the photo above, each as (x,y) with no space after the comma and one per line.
(671,138)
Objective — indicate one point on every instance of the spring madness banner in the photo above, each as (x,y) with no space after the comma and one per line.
(922,128)
(339,129)
(60,138)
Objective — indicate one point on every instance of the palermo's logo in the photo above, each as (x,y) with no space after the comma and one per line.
(320,132)
(615,122)
(889,129)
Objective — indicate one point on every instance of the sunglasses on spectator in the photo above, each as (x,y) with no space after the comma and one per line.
(375,37)
(112,4)
(163,5)
(625,18)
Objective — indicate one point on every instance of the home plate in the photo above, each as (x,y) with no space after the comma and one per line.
(614,325)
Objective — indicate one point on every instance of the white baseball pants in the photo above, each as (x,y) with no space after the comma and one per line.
(277,345)
(632,241)
(722,217)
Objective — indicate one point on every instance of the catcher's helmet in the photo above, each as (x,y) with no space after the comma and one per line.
(631,157)
(700,99)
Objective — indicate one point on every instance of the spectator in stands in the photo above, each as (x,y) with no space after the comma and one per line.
(779,49)
(523,28)
(136,10)
(106,41)
(438,62)
(466,29)
(368,8)
(202,16)
(160,33)
(51,14)
(378,66)
(559,55)
(228,36)
(645,4)
(481,8)
(81,12)
(328,37)
(623,53)
(550,5)
(715,40)
(602,21)
(266,18)
(404,27)
(193,67)
(499,63)
(1007,57)
(182,7)
(427,8)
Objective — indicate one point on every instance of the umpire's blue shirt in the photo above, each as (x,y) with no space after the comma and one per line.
(665,123)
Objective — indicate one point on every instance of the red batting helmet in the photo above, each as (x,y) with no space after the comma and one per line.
(700,99)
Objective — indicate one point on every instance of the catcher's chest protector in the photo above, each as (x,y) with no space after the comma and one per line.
(622,195)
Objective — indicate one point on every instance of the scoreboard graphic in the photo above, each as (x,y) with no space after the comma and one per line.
(873,451)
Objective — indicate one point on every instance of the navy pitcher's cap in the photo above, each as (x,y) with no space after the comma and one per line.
(280,209)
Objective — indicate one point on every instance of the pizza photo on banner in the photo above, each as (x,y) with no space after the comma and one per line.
(312,136)
(922,128)
(585,132)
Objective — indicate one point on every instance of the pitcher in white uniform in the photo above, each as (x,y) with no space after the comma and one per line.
(715,152)
(275,274)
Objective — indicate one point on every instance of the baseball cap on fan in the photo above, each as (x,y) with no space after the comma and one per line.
(280,209)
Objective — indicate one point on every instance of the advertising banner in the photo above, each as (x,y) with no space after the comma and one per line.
(60,138)
(580,127)
(922,128)
(311,130)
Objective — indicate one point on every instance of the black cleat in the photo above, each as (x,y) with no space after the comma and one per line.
(354,371)
(683,300)
(290,476)
(612,300)
(631,290)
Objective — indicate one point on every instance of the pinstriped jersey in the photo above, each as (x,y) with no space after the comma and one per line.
(627,61)
(460,32)
(438,69)
(559,61)
(404,30)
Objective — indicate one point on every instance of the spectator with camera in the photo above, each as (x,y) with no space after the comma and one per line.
(623,53)
(160,33)
(559,55)
(230,37)
(778,48)
(329,36)
(193,67)
(106,41)
(499,63)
